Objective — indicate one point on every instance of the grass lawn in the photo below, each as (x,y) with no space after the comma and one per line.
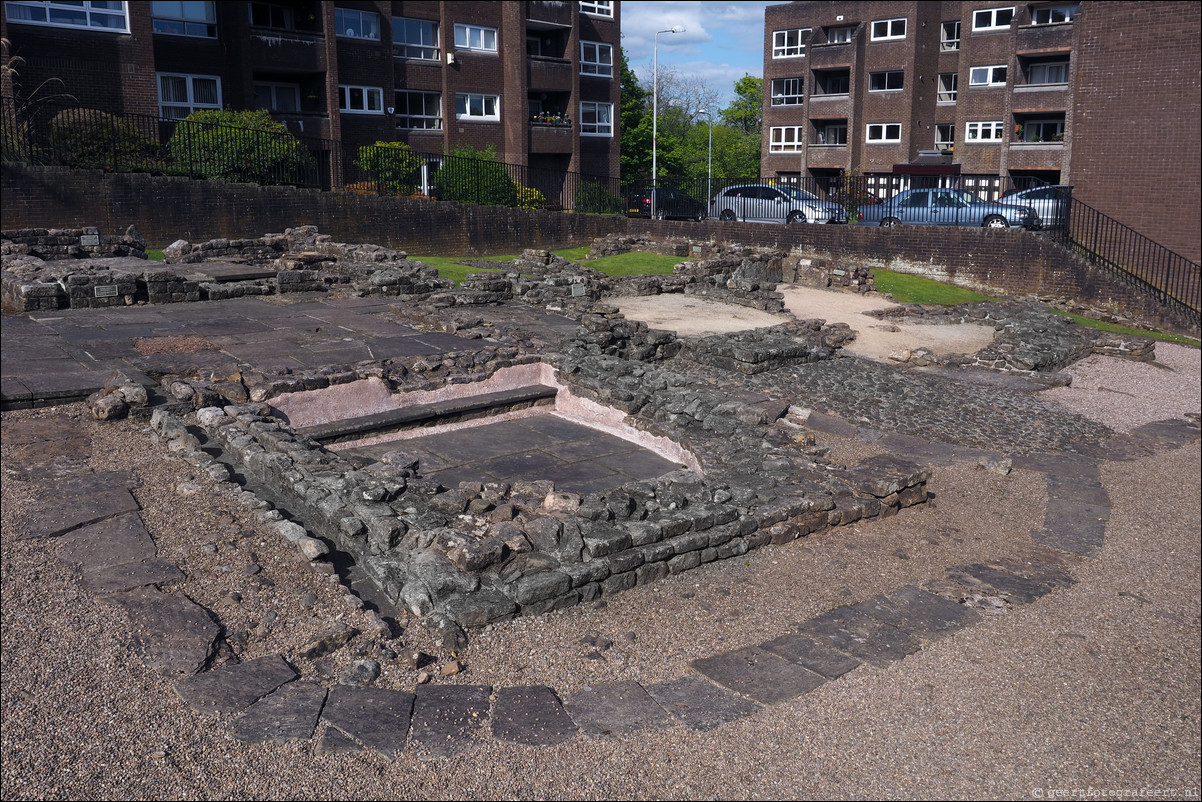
(626,264)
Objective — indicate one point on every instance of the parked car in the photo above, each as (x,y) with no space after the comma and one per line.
(1051,203)
(947,207)
(670,203)
(764,203)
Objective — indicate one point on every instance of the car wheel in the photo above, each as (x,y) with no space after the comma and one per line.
(700,215)
(995,221)
(728,215)
(890,222)
(796,217)
(659,214)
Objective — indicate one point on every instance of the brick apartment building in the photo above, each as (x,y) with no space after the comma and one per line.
(1104,96)
(435,75)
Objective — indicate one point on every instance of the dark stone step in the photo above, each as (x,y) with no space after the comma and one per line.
(426,414)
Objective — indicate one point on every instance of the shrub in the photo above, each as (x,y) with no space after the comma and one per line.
(241,146)
(392,166)
(592,197)
(471,176)
(530,198)
(93,139)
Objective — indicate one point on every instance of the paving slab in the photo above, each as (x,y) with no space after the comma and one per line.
(448,719)
(924,615)
(532,715)
(615,708)
(130,575)
(1082,491)
(65,511)
(1063,465)
(811,654)
(334,741)
(698,704)
(288,714)
(113,541)
(996,580)
(172,634)
(854,632)
(376,717)
(52,428)
(233,688)
(759,675)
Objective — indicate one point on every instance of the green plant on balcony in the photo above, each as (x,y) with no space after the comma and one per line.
(545,118)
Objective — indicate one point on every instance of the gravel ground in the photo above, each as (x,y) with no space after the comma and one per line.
(1095,686)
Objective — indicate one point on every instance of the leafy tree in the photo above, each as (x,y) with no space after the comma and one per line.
(745,112)
(241,146)
(392,165)
(468,175)
(634,123)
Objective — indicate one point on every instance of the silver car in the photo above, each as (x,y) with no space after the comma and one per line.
(947,207)
(1051,203)
(765,203)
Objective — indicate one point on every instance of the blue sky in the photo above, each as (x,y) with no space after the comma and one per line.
(721,43)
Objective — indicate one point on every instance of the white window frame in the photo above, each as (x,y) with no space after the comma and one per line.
(477,107)
(191,103)
(1067,13)
(419,50)
(991,19)
(176,14)
(787,139)
(788,91)
(820,133)
(783,48)
(276,88)
(946,90)
(595,112)
(406,116)
(840,35)
(948,128)
(342,16)
(1045,66)
(882,133)
(475,38)
(889,33)
(991,78)
(346,99)
(948,44)
(111,18)
(600,62)
(598,8)
(993,131)
(887,73)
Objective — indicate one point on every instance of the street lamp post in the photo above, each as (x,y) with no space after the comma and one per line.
(709,166)
(655,115)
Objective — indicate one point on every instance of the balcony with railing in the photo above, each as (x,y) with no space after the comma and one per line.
(544,12)
(287,51)
(545,74)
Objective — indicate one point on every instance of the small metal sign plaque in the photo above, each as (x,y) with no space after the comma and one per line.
(89,239)
(105,291)
(578,290)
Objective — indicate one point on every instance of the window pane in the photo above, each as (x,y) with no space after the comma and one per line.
(205,91)
(173,89)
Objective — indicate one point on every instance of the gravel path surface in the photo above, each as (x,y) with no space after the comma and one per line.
(1094,686)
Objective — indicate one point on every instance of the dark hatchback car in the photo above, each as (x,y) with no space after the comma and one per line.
(670,203)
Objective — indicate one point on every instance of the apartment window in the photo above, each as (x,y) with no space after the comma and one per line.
(415,38)
(787,91)
(601,8)
(945,136)
(992,19)
(476,37)
(277,97)
(271,15)
(183,19)
(1040,130)
(1048,72)
(830,133)
(890,81)
(357,24)
(421,110)
(596,119)
(987,76)
(883,132)
(949,36)
(98,14)
(844,34)
(470,106)
(947,87)
(983,131)
(1047,16)
(596,58)
(885,29)
(790,43)
(180,95)
(786,139)
(361,99)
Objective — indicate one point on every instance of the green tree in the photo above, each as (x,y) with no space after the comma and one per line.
(744,113)
(634,124)
(392,166)
(468,175)
(241,146)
